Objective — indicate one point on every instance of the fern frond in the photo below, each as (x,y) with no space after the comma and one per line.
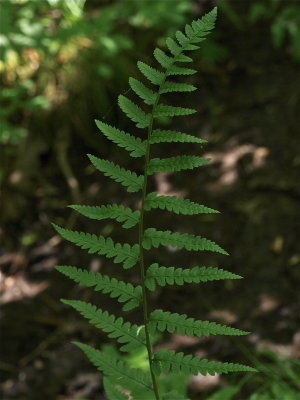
(133,112)
(129,378)
(132,335)
(169,361)
(163,110)
(112,391)
(123,214)
(142,91)
(117,374)
(127,178)
(124,292)
(177,163)
(162,276)
(134,145)
(153,75)
(165,136)
(121,253)
(155,238)
(183,325)
(167,87)
(176,205)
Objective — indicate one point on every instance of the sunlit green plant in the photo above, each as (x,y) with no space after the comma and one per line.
(141,384)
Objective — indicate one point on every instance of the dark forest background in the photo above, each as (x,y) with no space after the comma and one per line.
(63,64)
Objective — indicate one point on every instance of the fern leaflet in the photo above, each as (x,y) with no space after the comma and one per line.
(124,332)
(173,47)
(134,145)
(129,179)
(180,323)
(123,214)
(153,75)
(163,136)
(168,111)
(174,70)
(176,205)
(162,276)
(161,57)
(155,238)
(133,112)
(178,163)
(168,87)
(133,379)
(169,361)
(121,253)
(124,292)
(142,91)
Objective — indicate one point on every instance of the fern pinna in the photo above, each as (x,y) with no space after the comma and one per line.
(118,376)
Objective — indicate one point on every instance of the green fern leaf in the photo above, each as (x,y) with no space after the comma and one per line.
(133,379)
(133,112)
(182,39)
(161,57)
(165,136)
(134,145)
(174,70)
(176,205)
(155,238)
(169,111)
(178,163)
(168,360)
(173,46)
(196,33)
(132,335)
(192,46)
(183,58)
(129,179)
(123,214)
(124,292)
(121,253)
(180,323)
(153,75)
(163,276)
(112,391)
(167,87)
(142,91)
(189,31)
(204,25)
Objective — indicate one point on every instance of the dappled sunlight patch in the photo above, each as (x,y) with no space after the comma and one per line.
(16,288)
(204,382)
(225,316)
(229,159)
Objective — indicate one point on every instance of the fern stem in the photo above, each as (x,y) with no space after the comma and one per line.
(142,265)
(141,236)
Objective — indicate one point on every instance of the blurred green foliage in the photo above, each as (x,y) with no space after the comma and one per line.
(44,44)
(279,380)
(282,17)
